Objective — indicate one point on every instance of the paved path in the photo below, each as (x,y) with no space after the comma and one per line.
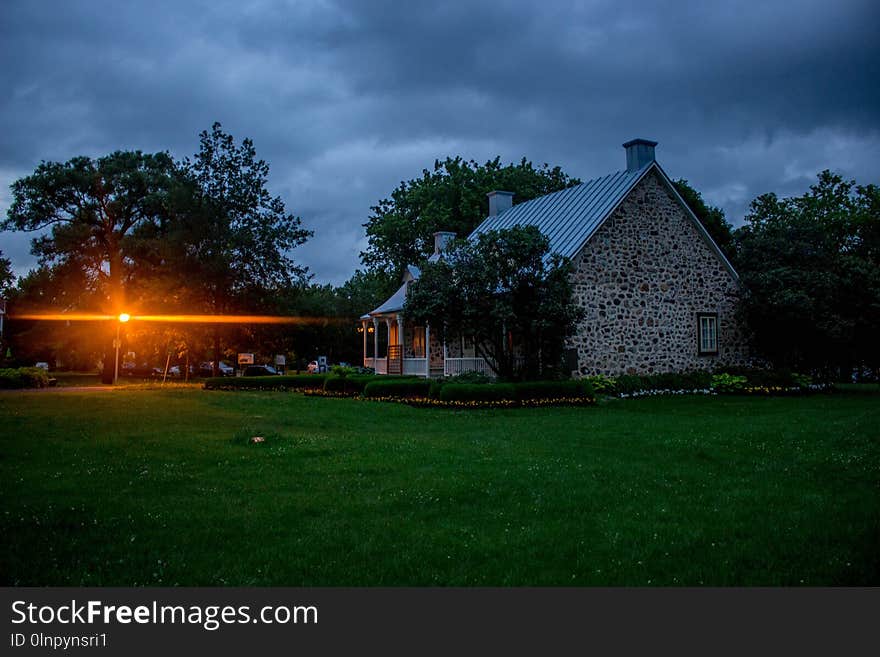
(62,389)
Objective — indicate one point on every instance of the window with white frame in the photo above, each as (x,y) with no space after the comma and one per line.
(707,333)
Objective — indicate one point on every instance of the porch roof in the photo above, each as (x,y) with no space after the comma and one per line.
(394,303)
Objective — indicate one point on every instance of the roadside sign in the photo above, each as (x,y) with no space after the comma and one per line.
(280,360)
(245,359)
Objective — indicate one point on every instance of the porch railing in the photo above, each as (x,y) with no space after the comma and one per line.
(378,364)
(456,366)
(414,366)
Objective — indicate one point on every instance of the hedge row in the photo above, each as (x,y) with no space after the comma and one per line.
(288,382)
(629,384)
(532,390)
(23,377)
(525,391)
(348,385)
(398,388)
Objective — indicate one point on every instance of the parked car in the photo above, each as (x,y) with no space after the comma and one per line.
(42,365)
(176,371)
(142,371)
(207,369)
(260,370)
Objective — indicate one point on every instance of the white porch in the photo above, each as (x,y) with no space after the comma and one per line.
(411,350)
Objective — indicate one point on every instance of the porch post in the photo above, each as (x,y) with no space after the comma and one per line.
(427,350)
(375,343)
(364,327)
(400,334)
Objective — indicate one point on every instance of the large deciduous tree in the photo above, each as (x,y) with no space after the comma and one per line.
(229,238)
(93,209)
(811,268)
(450,197)
(508,294)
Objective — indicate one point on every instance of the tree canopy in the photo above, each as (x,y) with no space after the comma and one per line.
(7,278)
(505,292)
(451,197)
(94,208)
(811,268)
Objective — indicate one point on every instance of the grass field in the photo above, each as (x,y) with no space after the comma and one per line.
(162,487)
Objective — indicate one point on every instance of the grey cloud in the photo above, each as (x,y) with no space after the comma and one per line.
(345,99)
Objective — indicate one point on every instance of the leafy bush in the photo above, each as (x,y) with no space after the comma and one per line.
(289,382)
(398,388)
(728,383)
(602,385)
(771,378)
(343,370)
(23,377)
(628,384)
(464,392)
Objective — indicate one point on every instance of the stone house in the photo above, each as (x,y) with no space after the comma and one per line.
(657,292)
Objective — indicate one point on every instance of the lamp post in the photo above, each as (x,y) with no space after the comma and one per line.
(123,318)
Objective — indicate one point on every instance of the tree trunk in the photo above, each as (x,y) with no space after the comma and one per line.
(216,369)
(109,364)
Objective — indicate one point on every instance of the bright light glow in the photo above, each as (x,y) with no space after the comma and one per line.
(187,319)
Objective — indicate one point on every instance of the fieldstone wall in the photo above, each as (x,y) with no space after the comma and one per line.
(641,280)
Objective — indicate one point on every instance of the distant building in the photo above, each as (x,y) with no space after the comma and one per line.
(657,292)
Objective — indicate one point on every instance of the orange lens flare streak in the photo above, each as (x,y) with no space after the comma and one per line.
(232,319)
(62,317)
(179,319)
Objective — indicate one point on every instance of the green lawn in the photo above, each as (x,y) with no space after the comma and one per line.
(161,487)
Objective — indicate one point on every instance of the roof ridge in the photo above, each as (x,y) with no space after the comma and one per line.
(570,216)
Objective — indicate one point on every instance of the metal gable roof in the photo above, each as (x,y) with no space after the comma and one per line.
(393,304)
(570,216)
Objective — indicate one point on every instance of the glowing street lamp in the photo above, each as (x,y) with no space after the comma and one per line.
(123,318)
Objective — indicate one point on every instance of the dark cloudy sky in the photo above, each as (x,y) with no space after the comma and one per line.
(346,99)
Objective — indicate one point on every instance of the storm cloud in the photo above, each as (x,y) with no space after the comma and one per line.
(346,99)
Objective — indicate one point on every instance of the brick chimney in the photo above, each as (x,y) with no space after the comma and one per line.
(639,152)
(499,202)
(442,239)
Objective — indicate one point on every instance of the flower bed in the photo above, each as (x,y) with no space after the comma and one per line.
(742,381)
(428,402)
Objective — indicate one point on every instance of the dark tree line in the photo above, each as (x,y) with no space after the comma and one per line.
(203,235)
